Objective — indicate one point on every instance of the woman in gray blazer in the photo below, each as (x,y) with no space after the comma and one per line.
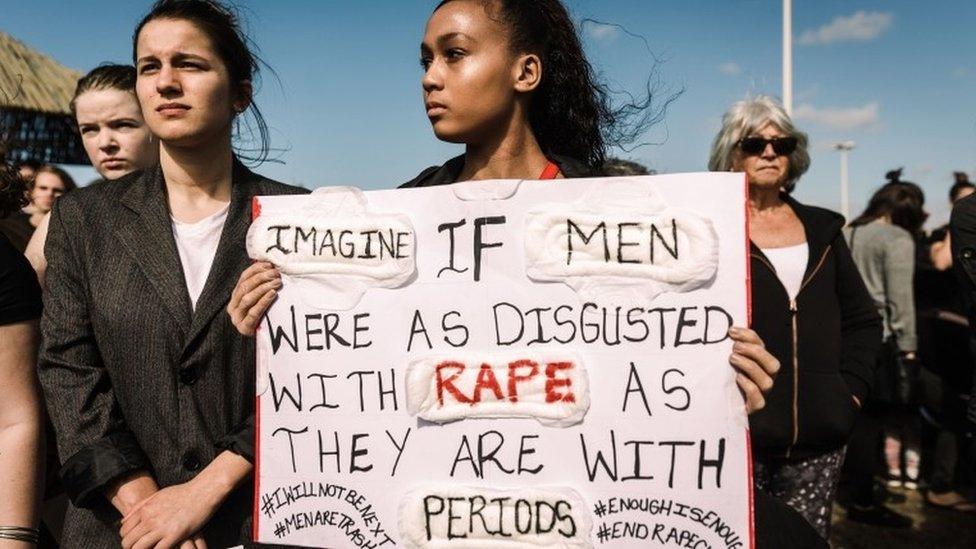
(150,389)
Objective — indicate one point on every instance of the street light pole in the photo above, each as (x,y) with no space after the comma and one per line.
(845,147)
(788,56)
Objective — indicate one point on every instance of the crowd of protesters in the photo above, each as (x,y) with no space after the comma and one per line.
(858,365)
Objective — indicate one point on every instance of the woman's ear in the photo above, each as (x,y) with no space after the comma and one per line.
(528,72)
(245,92)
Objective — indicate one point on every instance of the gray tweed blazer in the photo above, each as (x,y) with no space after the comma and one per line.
(133,377)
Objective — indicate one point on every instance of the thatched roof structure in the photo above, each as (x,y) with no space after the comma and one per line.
(35,121)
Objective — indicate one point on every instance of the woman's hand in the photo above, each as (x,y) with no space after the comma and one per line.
(174,516)
(756,367)
(256,290)
(170,518)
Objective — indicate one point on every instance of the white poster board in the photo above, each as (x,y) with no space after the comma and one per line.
(505,364)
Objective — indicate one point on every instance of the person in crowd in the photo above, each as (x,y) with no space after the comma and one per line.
(809,306)
(946,346)
(117,142)
(508,79)
(962,224)
(44,185)
(940,245)
(17,226)
(150,390)
(113,132)
(882,241)
(21,415)
(106,109)
(48,184)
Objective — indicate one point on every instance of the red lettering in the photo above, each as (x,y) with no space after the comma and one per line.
(552,383)
(448,383)
(514,378)
(487,380)
(558,386)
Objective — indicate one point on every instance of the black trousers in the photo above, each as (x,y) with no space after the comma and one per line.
(863,453)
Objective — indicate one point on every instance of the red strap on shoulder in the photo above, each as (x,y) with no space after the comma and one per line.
(550,172)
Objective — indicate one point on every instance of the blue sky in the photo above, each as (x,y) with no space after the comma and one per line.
(898,77)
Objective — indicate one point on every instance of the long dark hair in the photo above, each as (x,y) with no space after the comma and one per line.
(571,112)
(222,27)
(902,201)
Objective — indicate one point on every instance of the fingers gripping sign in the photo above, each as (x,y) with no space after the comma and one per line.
(257,288)
(755,365)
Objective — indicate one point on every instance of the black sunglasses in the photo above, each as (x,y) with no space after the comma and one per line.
(756,145)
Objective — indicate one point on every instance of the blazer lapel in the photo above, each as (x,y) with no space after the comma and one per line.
(147,236)
(231,257)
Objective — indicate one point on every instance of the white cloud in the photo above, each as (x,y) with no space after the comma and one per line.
(731,68)
(859,27)
(806,94)
(602,31)
(840,118)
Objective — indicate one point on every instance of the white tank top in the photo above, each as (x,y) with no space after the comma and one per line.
(197,246)
(790,264)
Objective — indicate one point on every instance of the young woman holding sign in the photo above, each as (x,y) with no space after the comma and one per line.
(509,80)
(149,387)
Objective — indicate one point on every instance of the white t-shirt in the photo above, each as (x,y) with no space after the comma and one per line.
(790,263)
(197,244)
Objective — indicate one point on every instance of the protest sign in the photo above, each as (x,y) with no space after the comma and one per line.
(505,364)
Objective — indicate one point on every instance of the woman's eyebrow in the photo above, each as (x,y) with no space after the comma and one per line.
(186,56)
(451,36)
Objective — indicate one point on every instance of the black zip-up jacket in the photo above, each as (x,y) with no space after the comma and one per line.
(826,340)
(450,171)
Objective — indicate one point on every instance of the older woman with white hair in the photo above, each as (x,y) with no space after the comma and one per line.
(809,306)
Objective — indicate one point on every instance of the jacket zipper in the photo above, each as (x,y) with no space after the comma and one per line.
(793,332)
(796,378)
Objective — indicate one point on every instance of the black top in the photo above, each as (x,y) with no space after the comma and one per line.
(20,294)
(964,255)
(17,228)
(450,171)
(826,340)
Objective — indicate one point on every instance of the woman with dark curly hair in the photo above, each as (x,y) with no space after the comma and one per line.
(21,419)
